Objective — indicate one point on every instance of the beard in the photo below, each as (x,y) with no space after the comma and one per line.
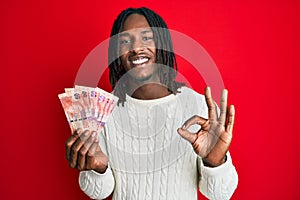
(144,75)
(141,79)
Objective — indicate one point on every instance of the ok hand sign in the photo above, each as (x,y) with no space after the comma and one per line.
(213,139)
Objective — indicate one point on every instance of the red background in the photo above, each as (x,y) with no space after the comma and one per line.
(255,46)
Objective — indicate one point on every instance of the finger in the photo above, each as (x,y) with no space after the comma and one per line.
(191,137)
(81,162)
(194,120)
(94,147)
(76,147)
(231,115)
(100,164)
(223,107)
(71,140)
(212,108)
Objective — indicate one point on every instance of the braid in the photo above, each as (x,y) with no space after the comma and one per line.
(164,52)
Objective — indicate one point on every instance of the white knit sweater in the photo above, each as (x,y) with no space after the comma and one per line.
(149,160)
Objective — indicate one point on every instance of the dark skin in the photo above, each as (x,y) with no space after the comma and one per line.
(84,153)
(138,52)
(136,42)
(212,141)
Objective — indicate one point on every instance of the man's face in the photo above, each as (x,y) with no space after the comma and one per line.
(137,48)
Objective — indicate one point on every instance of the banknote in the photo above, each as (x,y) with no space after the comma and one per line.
(72,111)
(87,107)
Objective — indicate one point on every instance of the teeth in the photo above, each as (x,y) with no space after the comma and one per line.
(140,61)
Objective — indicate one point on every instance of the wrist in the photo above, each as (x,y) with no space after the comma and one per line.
(101,170)
(209,162)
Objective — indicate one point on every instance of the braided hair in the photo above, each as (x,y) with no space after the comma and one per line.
(164,52)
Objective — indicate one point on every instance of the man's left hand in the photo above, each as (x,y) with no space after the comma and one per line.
(213,139)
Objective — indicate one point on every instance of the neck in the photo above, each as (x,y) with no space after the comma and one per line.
(146,89)
(151,91)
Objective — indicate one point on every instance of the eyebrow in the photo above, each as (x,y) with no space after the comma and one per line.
(146,31)
(126,34)
(123,34)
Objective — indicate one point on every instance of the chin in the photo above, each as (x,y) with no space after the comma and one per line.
(142,73)
(141,78)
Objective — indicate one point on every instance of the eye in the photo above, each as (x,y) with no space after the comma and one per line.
(147,38)
(124,41)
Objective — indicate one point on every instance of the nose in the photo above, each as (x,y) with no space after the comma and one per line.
(137,46)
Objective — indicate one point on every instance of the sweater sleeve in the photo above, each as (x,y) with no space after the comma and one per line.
(96,185)
(220,182)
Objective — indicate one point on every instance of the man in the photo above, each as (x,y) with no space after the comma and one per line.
(141,152)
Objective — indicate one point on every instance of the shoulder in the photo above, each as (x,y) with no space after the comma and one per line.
(189,92)
(193,102)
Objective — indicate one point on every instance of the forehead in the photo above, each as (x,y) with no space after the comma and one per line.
(135,21)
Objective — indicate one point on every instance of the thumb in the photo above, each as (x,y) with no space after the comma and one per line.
(191,137)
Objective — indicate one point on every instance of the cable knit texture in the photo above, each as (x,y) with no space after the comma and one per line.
(149,160)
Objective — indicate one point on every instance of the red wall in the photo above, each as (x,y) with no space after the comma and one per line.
(255,46)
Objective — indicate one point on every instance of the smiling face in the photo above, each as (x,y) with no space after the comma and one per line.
(137,48)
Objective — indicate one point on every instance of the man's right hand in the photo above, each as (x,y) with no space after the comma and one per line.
(84,153)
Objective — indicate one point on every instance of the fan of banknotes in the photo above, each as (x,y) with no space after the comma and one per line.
(87,107)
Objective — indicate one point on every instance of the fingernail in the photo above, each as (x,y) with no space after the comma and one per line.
(78,131)
(86,133)
(93,134)
(225,91)
(233,108)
